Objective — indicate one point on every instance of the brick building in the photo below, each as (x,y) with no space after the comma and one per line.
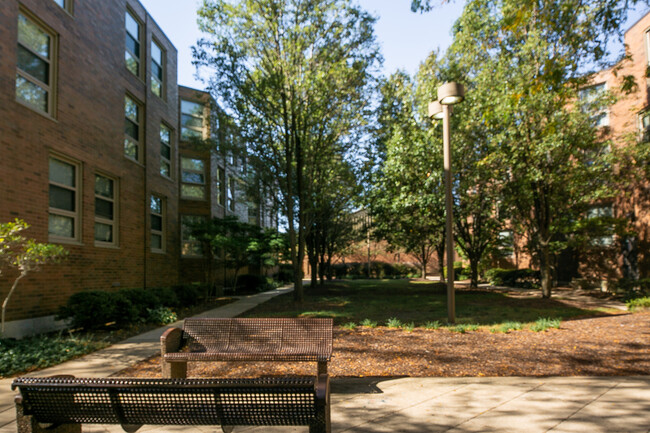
(90,128)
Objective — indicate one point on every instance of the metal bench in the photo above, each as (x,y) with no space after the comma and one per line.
(62,404)
(246,339)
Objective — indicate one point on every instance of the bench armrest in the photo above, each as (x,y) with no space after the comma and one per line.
(171,341)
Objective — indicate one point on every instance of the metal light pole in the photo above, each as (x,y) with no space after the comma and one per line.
(448,95)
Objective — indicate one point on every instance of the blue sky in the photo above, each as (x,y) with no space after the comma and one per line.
(406,38)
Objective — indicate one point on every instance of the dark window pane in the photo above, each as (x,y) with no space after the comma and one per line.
(189,191)
(156,71)
(103,186)
(156,205)
(133,46)
(130,149)
(187,120)
(165,169)
(131,129)
(103,232)
(104,209)
(32,37)
(62,172)
(156,222)
(33,65)
(61,198)
(189,177)
(132,26)
(165,151)
(131,63)
(156,242)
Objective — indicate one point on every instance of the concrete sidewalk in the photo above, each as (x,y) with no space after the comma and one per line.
(454,405)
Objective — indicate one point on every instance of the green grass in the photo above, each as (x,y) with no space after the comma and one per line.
(464,327)
(410,301)
(509,326)
(638,303)
(369,323)
(544,323)
(435,324)
(394,322)
(349,325)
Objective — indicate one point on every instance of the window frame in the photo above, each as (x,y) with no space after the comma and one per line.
(230,193)
(129,138)
(220,180)
(50,87)
(67,5)
(75,215)
(136,56)
(195,184)
(163,69)
(185,241)
(184,127)
(155,232)
(170,145)
(597,116)
(602,210)
(114,223)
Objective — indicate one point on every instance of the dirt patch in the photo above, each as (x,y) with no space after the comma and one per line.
(611,345)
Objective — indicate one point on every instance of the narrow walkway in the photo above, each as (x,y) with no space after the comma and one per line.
(417,405)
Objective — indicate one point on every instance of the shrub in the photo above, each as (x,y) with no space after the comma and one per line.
(189,294)
(638,303)
(432,325)
(382,270)
(542,324)
(632,289)
(349,325)
(408,327)
(285,273)
(167,296)
(465,327)
(369,323)
(161,316)
(251,283)
(510,326)
(142,300)
(94,309)
(525,278)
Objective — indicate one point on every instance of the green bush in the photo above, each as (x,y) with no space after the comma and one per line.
(638,303)
(42,351)
(510,326)
(189,294)
(285,273)
(432,325)
(632,289)
(142,300)
(544,323)
(161,316)
(380,270)
(167,296)
(251,283)
(394,322)
(524,278)
(94,309)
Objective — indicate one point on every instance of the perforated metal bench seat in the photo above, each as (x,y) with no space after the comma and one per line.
(66,402)
(246,339)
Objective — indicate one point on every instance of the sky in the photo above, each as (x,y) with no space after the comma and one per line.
(406,38)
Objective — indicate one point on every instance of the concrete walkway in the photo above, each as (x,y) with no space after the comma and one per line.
(454,405)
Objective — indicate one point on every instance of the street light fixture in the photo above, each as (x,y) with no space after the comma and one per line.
(448,95)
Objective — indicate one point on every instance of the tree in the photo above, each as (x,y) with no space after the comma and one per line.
(528,60)
(407,194)
(294,75)
(25,255)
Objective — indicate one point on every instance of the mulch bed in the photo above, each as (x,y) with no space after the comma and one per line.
(614,345)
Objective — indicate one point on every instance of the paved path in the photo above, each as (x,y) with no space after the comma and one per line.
(454,405)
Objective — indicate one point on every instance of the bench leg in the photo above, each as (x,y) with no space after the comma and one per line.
(27,423)
(174,370)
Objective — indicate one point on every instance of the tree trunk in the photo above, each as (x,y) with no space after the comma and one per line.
(473,265)
(545,271)
(440,251)
(6,301)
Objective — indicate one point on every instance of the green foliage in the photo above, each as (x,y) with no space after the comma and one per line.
(393,322)
(161,316)
(167,296)
(524,278)
(377,270)
(95,309)
(464,327)
(638,303)
(189,294)
(23,254)
(510,326)
(42,351)
(141,300)
(369,323)
(432,324)
(349,325)
(285,273)
(250,283)
(408,327)
(542,324)
(632,289)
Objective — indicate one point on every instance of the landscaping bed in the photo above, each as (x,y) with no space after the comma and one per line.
(588,341)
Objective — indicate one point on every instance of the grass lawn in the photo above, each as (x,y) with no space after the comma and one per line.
(412,301)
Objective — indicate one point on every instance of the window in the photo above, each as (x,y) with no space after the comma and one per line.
(65,4)
(605,212)
(191,120)
(157,69)
(252,214)
(591,99)
(132,52)
(231,193)
(165,151)
(132,114)
(192,178)
(64,189)
(105,210)
(35,66)
(221,186)
(506,243)
(644,126)
(190,245)
(157,224)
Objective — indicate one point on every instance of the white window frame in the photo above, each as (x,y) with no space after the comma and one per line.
(154,79)
(138,39)
(50,109)
(76,188)
(156,232)
(220,179)
(202,185)
(113,223)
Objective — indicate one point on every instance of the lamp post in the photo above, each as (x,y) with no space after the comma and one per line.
(448,95)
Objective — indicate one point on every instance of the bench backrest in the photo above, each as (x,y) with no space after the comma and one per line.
(290,339)
(270,401)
